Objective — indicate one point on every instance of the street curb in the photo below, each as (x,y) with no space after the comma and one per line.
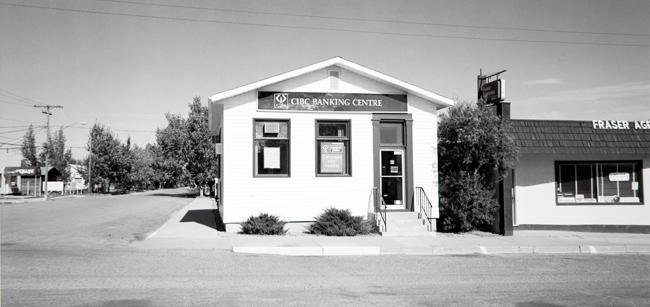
(442,250)
(309,250)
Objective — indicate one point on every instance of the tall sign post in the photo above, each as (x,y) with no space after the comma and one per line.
(491,94)
(47,111)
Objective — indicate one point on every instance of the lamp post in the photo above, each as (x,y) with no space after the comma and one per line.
(80,123)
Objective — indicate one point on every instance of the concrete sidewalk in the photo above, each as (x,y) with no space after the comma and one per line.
(194,227)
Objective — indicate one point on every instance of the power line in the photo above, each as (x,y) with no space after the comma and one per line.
(21,126)
(14,131)
(17,120)
(481,27)
(119,130)
(18,97)
(15,103)
(3,143)
(325,28)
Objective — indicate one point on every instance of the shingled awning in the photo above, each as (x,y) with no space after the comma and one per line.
(571,137)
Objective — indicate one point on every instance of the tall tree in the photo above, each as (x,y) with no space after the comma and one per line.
(474,145)
(141,175)
(29,149)
(54,150)
(201,159)
(168,151)
(184,152)
(105,152)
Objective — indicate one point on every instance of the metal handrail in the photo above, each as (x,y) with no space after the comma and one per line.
(426,207)
(378,204)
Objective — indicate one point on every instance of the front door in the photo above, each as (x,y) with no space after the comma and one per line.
(392,178)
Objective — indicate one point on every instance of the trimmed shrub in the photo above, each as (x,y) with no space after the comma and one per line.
(339,222)
(263,224)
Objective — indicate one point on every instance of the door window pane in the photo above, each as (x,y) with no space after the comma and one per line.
(391,190)
(391,163)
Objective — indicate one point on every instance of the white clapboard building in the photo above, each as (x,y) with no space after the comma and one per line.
(331,134)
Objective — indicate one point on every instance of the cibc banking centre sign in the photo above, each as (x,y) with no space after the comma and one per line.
(331,102)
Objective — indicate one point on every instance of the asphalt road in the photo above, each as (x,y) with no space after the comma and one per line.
(90,264)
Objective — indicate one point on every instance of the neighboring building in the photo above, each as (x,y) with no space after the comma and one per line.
(76,181)
(332,134)
(26,181)
(582,175)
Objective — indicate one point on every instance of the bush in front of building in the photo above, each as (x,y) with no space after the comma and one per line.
(475,149)
(263,224)
(340,222)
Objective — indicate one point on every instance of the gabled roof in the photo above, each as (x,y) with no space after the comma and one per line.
(439,100)
(572,137)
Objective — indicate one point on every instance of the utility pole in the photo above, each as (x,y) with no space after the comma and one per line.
(47,111)
(90,161)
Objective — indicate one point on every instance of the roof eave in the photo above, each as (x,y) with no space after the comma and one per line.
(439,100)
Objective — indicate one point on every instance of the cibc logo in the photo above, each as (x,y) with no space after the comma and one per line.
(280,101)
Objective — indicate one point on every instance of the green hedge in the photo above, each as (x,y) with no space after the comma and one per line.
(338,222)
(263,224)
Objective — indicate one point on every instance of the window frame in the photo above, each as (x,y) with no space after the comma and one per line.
(594,163)
(346,140)
(254,156)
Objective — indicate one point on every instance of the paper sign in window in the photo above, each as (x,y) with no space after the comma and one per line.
(271,157)
(332,157)
(619,176)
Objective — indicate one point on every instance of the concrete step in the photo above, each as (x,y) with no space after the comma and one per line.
(402,214)
(413,227)
(405,224)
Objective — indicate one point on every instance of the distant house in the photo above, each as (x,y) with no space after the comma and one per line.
(27,181)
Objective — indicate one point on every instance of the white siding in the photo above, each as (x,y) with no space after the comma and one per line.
(535,195)
(425,149)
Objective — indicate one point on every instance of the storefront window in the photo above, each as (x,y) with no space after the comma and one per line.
(271,147)
(333,148)
(598,182)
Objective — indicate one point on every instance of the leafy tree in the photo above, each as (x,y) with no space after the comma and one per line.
(54,150)
(141,175)
(29,149)
(474,146)
(201,158)
(168,152)
(184,152)
(106,153)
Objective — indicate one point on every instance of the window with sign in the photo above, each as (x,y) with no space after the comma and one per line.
(598,182)
(271,147)
(333,148)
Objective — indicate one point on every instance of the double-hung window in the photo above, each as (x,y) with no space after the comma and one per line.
(333,148)
(609,182)
(271,147)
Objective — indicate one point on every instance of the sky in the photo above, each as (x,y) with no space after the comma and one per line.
(124,64)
